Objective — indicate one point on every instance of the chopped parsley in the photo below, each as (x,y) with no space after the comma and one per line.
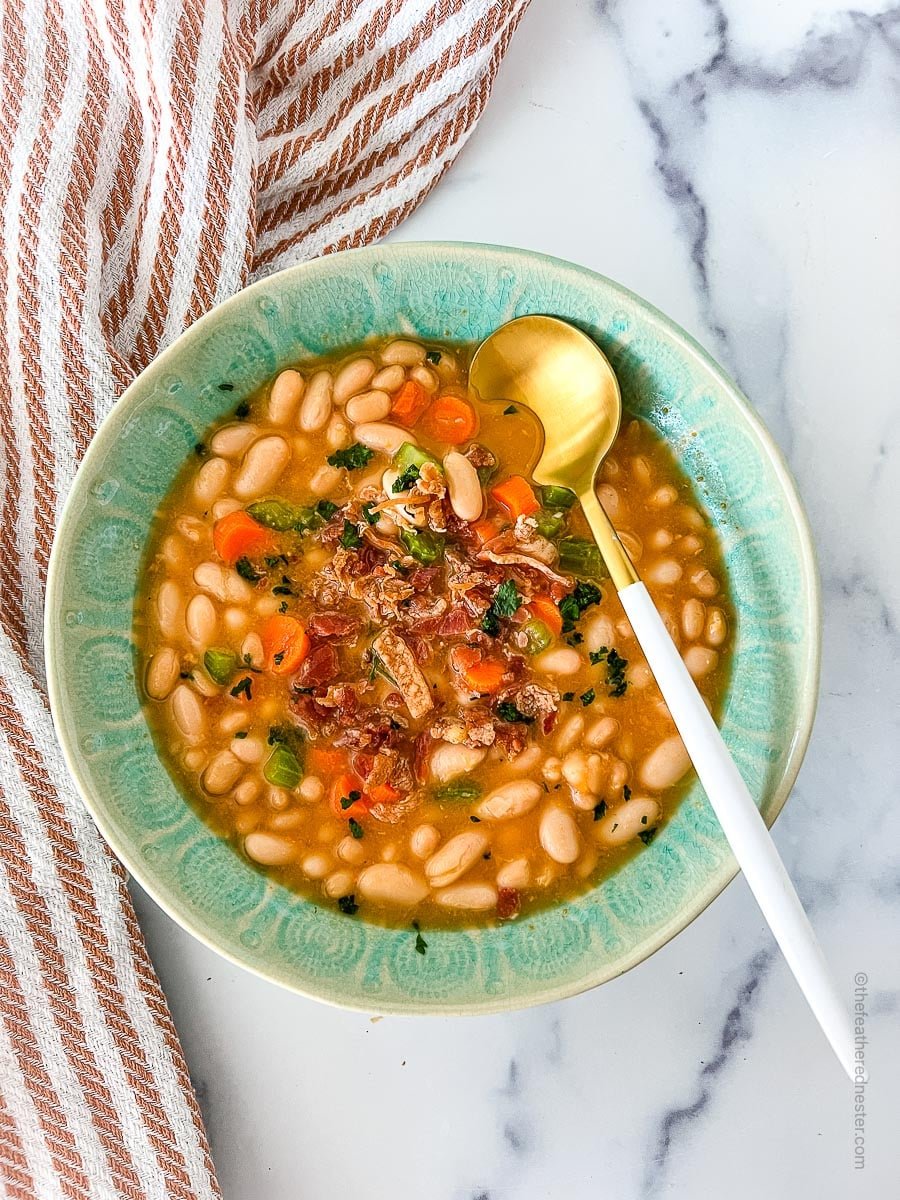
(588,697)
(349,800)
(201,449)
(597,656)
(246,570)
(226,387)
(575,639)
(421,944)
(647,835)
(406,480)
(504,604)
(278,658)
(509,410)
(240,735)
(350,538)
(348,905)
(283,606)
(475,820)
(626,792)
(572,606)
(326,509)
(273,560)
(433,356)
(352,458)
(371,518)
(356,830)
(599,810)
(615,673)
(243,688)
(567,696)
(507,711)
(285,588)
(242,412)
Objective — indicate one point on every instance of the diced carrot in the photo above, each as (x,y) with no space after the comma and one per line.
(409,403)
(341,789)
(482,675)
(383,793)
(239,536)
(516,495)
(545,610)
(484,530)
(326,760)
(451,419)
(285,643)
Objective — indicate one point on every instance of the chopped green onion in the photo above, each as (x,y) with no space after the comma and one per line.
(549,523)
(580,557)
(557,497)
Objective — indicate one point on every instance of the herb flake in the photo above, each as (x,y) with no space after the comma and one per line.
(507,711)
(353,457)
(350,538)
(348,905)
(243,687)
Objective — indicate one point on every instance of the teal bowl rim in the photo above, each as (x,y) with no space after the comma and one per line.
(808,686)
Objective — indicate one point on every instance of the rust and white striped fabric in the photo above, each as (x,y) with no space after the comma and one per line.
(154,156)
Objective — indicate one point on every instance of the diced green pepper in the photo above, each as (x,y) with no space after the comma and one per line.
(221,664)
(283,767)
(412,456)
(549,524)
(580,557)
(538,635)
(425,546)
(459,789)
(275,514)
(557,497)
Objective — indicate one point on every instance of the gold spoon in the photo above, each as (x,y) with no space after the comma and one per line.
(555,370)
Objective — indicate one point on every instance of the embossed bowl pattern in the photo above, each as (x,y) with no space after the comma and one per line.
(433,290)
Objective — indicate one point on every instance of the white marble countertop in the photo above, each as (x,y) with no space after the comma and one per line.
(739,165)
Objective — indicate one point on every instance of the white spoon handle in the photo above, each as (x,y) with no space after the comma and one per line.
(740,819)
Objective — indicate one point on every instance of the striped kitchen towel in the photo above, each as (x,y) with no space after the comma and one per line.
(154,156)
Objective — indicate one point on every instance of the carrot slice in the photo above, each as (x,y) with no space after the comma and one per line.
(285,643)
(484,530)
(517,496)
(545,610)
(409,403)
(383,793)
(341,790)
(239,536)
(482,675)
(451,419)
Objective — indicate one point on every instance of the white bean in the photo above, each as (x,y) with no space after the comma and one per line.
(403,352)
(235,620)
(509,800)
(200,619)
(316,407)
(526,761)
(191,528)
(552,769)
(368,406)
(222,583)
(424,840)
(338,884)
(248,750)
(664,572)
(601,732)
(575,770)
(627,820)
(599,631)
(325,480)
(463,486)
(351,851)
(389,379)
(312,789)
(474,897)
(222,772)
(425,377)
(210,480)
(352,378)
(246,791)
(263,465)
(640,469)
(632,544)
(193,760)
(516,874)
(703,583)
(378,435)
(234,721)
(559,836)
(270,849)
(688,545)
(663,497)
(455,857)
(716,627)
(285,396)
(233,440)
(224,508)
(391,883)
(448,761)
(700,661)
(252,651)
(562,660)
(316,866)
(609,498)
(337,435)
(569,733)
(162,673)
(664,765)
(693,619)
(170,609)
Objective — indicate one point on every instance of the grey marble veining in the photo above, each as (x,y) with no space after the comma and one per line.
(739,165)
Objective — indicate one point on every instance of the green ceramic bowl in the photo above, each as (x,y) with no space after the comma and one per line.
(432,290)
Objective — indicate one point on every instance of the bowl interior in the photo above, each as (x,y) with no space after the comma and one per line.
(435,291)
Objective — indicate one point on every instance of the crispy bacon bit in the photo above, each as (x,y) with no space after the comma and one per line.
(401,664)
(336,626)
(532,699)
(480,456)
(422,578)
(319,667)
(523,547)
(508,903)
(421,756)
(512,739)
(365,575)
(468,727)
